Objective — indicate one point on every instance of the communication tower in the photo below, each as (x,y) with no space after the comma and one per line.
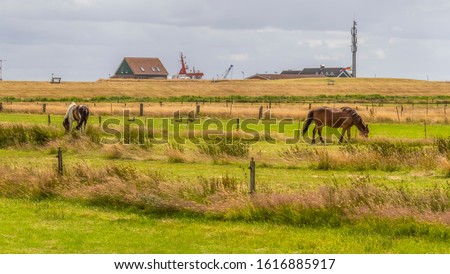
(354,48)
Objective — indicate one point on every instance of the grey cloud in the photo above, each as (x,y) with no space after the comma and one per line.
(89,37)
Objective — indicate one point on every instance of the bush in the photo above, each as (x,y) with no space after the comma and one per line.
(235,147)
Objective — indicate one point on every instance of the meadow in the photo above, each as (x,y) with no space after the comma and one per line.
(157,89)
(169,187)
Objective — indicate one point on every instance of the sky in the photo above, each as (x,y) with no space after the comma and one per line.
(86,40)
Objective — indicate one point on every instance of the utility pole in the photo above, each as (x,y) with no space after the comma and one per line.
(354,48)
(1,70)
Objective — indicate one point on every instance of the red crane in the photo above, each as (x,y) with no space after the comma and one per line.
(193,74)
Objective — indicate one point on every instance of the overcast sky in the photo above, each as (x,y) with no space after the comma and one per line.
(84,40)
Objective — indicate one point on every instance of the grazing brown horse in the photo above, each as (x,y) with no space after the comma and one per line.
(345,118)
(78,113)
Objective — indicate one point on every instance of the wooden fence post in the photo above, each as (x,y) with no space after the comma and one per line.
(260,115)
(398,114)
(100,120)
(1,106)
(197,108)
(49,121)
(425,128)
(252,176)
(141,109)
(191,116)
(237,124)
(445,114)
(60,161)
(44,108)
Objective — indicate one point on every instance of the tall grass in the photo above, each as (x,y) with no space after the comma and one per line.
(443,146)
(20,134)
(376,154)
(233,146)
(331,204)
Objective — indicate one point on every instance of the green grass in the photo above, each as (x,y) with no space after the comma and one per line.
(53,226)
(277,176)
(103,203)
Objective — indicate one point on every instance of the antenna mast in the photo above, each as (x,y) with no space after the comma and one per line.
(354,48)
(1,70)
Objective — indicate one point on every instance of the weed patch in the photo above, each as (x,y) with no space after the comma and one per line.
(443,146)
(235,147)
(13,135)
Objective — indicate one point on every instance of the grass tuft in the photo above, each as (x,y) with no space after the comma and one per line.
(17,135)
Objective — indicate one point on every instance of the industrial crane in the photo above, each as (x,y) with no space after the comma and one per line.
(225,74)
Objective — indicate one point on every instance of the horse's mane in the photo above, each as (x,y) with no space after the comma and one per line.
(354,114)
(68,110)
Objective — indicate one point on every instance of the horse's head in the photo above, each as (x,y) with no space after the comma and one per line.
(66,125)
(364,131)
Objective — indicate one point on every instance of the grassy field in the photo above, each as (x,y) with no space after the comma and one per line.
(150,194)
(164,89)
(53,226)
(167,191)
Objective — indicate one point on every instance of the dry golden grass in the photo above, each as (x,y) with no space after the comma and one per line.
(171,88)
(297,111)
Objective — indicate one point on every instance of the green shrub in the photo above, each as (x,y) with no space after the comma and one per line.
(234,147)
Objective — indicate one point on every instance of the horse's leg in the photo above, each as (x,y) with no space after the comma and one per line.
(320,135)
(342,135)
(348,134)
(313,141)
(83,125)
(79,125)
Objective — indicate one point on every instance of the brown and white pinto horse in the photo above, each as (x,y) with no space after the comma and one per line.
(78,113)
(345,118)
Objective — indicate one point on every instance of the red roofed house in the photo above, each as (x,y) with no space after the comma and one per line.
(141,68)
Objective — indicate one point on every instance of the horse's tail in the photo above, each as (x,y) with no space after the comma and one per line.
(308,122)
(85,121)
